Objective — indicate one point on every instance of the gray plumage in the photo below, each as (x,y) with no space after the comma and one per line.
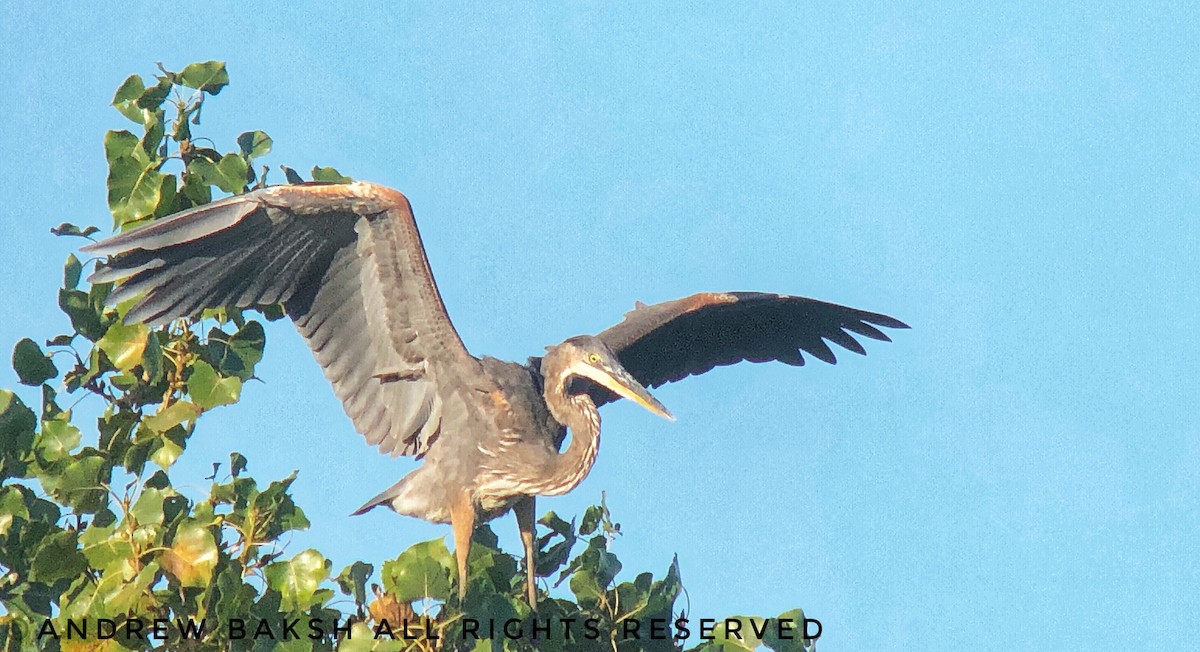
(347,263)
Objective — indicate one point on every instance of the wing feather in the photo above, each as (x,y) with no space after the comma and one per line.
(346,261)
(669,341)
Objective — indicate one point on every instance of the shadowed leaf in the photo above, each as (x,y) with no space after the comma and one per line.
(68,229)
(32,366)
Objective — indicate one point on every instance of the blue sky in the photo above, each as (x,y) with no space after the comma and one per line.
(1019,182)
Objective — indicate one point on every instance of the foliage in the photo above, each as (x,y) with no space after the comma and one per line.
(93,530)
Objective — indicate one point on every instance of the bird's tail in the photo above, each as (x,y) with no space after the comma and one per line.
(383,499)
(412,496)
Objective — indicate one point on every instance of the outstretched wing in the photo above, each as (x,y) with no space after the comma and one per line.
(672,340)
(347,263)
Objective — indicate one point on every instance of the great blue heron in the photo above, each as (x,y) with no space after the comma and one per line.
(347,263)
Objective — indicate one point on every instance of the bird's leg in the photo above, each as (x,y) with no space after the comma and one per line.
(524,513)
(462,521)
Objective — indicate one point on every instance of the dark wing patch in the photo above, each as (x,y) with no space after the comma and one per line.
(346,261)
(669,341)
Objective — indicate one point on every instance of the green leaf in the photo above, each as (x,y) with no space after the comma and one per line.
(229,173)
(254,144)
(298,579)
(278,512)
(124,344)
(72,270)
(83,315)
(156,130)
(154,96)
(774,641)
(56,440)
(32,366)
(193,554)
(353,581)
(664,592)
(122,144)
(134,190)
(68,229)
(148,510)
(237,464)
(168,418)
(60,340)
(741,636)
(85,319)
(419,572)
(209,76)
(80,484)
(167,448)
(134,182)
(329,175)
(208,389)
(586,587)
(102,549)
(237,354)
(126,97)
(57,557)
(234,171)
(17,422)
(182,129)
(152,359)
(591,519)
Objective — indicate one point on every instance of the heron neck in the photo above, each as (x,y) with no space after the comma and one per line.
(579,414)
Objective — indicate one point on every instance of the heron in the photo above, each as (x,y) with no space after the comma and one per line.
(347,263)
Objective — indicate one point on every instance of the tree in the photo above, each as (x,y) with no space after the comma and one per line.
(98,551)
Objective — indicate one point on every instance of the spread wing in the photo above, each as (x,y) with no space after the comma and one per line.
(672,340)
(347,263)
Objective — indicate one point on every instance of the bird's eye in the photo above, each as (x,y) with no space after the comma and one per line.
(594,358)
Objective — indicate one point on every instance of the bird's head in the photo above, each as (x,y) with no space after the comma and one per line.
(588,357)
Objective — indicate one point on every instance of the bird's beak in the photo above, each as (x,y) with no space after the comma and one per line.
(621,383)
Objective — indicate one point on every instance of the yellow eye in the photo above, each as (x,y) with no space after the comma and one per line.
(594,358)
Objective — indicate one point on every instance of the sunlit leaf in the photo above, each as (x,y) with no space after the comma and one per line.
(419,572)
(329,175)
(167,448)
(229,173)
(193,555)
(124,344)
(789,639)
(298,579)
(148,510)
(172,416)
(126,97)
(208,389)
(208,76)
(56,440)
(81,484)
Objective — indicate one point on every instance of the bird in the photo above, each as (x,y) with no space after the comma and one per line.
(347,263)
